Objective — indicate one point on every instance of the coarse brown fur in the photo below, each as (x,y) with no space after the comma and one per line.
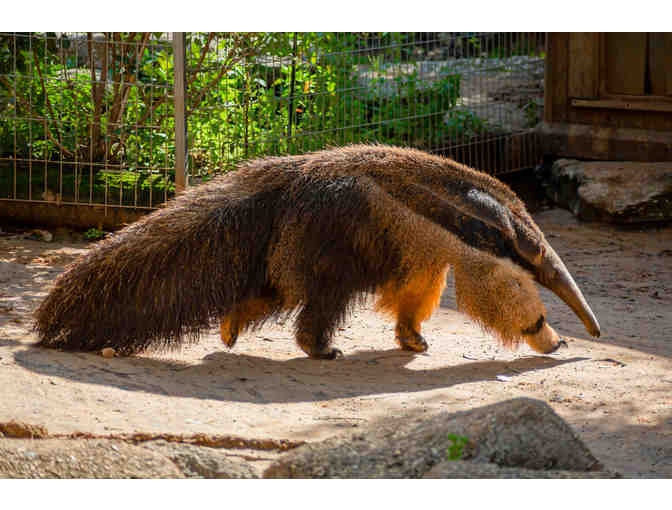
(308,234)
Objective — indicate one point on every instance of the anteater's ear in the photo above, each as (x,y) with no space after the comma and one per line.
(524,236)
(484,207)
(444,204)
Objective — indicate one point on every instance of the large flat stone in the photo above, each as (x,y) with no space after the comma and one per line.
(518,433)
(615,192)
(84,458)
(201,461)
(484,470)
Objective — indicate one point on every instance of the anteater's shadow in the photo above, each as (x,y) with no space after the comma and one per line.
(233,377)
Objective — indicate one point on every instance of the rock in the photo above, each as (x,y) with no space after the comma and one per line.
(89,458)
(50,196)
(521,433)
(19,429)
(68,235)
(614,192)
(41,235)
(466,469)
(48,457)
(108,352)
(202,461)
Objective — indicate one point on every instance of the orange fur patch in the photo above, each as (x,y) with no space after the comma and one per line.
(242,317)
(413,302)
(500,296)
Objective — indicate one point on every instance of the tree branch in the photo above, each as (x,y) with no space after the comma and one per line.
(235,55)
(29,108)
(47,129)
(204,51)
(125,80)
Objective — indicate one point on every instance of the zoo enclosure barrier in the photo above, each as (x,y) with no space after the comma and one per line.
(122,120)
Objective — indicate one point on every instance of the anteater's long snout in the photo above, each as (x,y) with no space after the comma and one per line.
(553,275)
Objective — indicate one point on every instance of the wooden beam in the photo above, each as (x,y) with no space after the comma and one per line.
(585,141)
(623,104)
(78,216)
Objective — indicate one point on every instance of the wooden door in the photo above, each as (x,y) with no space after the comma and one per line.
(638,64)
(622,70)
(660,63)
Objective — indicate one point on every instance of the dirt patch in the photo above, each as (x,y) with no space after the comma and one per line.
(616,392)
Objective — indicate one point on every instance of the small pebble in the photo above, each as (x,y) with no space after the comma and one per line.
(108,352)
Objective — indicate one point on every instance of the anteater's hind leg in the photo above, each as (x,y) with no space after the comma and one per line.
(411,303)
(246,314)
(315,325)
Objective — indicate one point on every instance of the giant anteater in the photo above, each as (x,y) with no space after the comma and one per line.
(310,234)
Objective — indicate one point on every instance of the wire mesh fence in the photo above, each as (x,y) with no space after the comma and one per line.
(86,118)
(89,118)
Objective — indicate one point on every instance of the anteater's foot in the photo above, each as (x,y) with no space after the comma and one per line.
(327,354)
(410,340)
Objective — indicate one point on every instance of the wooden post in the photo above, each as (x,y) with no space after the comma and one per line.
(179,93)
(557,69)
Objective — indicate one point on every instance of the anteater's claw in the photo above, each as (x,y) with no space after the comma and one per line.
(415,343)
(330,354)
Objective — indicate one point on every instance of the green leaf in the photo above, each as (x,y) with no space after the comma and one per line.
(455,450)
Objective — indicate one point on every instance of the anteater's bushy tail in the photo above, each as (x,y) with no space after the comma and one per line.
(162,280)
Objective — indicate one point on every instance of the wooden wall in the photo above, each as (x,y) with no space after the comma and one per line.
(609,96)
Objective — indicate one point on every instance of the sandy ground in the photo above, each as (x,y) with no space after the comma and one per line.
(616,391)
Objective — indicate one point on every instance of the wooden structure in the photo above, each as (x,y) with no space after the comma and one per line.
(608,96)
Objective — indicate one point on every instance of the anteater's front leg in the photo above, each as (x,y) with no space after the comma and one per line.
(411,302)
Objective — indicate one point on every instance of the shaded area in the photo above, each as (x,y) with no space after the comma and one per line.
(224,376)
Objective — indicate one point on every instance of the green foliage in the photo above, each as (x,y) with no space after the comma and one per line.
(274,103)
(325,90)
(456,449)
(93,234)
(249,94)
(461,122)
(532,115)
(414,113)
(70,98)
(51,109)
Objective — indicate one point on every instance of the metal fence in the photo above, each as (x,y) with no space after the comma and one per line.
(118,119)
